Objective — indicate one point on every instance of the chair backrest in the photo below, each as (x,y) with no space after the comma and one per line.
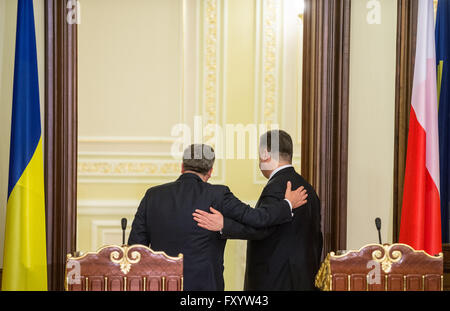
(375,267)
(124,268)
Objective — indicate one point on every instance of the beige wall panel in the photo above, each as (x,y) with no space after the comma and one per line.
(130,67)
(371,123)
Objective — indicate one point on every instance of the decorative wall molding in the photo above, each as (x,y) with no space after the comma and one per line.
(212,72)
(212,68)
(96,216)
(125,139)
(268,54)
(107,207)
(270,68)
(124,167)
(211,60)
(101,227)
(128,168)
(134,168)
(271,25)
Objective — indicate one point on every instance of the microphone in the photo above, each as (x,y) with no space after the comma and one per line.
(378,225)
(124,226)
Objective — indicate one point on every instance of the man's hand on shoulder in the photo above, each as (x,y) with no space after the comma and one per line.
(296,197)
(210,221)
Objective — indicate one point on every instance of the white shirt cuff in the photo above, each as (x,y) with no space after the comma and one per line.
(290,205)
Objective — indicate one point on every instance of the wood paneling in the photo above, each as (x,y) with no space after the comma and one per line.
(60,155)
(446,251)
(325,112)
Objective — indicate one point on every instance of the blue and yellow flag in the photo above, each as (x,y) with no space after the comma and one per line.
(443,80)
(24,262)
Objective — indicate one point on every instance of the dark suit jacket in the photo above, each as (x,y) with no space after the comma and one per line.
(286,256)
(164,221)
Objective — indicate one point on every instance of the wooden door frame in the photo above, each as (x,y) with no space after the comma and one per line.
(325,109)
(60,142)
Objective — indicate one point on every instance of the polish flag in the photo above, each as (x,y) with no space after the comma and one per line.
(420,225)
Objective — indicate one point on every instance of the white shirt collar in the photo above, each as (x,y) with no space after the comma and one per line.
(279,169)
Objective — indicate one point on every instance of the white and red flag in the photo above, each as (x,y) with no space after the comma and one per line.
(421,215)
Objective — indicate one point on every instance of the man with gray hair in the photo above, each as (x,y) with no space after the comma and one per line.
(164,218)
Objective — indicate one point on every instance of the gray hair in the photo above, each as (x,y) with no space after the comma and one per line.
(198,158)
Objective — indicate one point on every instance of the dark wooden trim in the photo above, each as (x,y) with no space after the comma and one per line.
(406,53)
(60,155)
(446,252)
(325,112)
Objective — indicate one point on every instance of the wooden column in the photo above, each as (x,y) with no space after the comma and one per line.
(60,155)
(325,112)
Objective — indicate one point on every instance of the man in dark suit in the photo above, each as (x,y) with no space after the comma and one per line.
(285,256)
(164,218)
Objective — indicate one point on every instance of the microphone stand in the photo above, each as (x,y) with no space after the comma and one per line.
(124,227)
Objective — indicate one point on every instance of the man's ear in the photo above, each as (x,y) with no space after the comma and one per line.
(264,155)
(210,173)
(268,157)
(182,168)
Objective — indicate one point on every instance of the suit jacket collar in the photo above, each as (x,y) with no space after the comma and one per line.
(287,170)
(190,176)
(283,171)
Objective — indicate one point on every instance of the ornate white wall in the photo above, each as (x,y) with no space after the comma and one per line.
(150,64)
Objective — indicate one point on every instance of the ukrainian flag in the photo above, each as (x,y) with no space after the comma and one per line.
(24,262)
(443,80)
